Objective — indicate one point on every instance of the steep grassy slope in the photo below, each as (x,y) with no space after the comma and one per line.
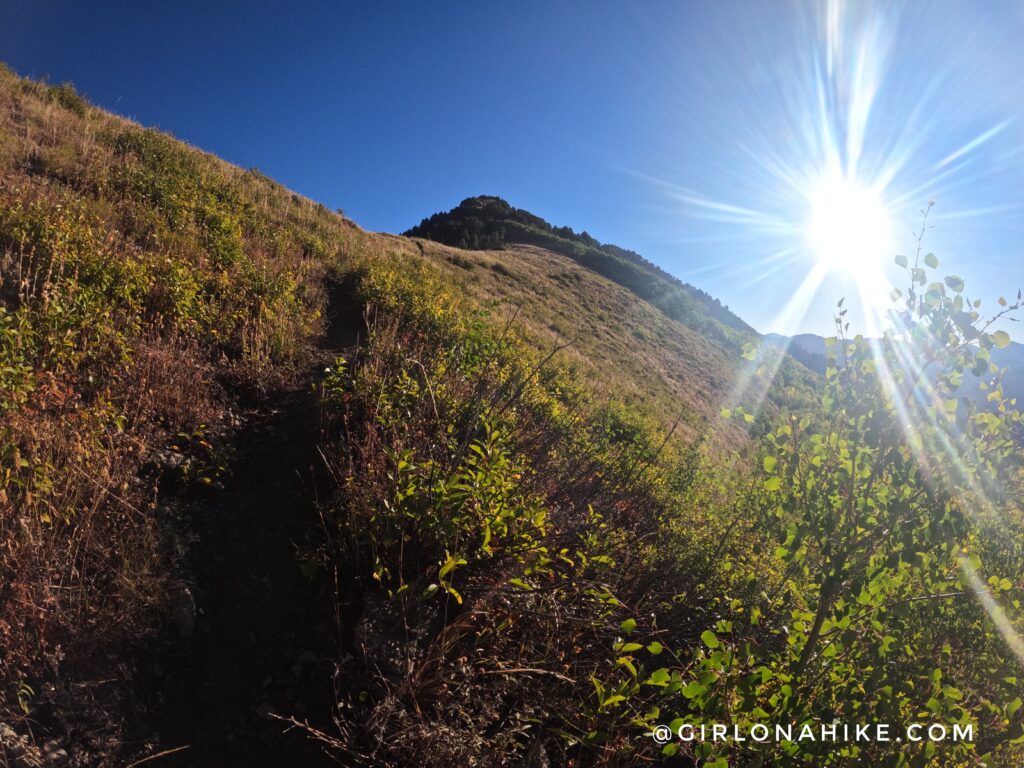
(622,344)
(490,222)
(146,290)
(524,558)
(531,573)
(149,294)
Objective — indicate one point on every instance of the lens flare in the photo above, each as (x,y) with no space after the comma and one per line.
(824,156)
(848,229)
(858,158)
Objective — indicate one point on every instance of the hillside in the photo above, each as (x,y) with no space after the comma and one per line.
(487,222)
(635,329)
(152,299)
(277,491)
(623,344)
(157,307)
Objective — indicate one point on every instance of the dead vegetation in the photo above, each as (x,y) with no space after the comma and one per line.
(144,288)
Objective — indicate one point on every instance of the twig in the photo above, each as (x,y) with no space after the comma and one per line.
(165,753)
(525,670)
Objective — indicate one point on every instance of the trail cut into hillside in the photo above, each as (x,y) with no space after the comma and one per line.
(261,652)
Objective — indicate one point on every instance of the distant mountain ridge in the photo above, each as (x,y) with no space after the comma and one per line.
(809,349)
(488,222)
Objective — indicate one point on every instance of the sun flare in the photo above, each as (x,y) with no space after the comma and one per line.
(848,229)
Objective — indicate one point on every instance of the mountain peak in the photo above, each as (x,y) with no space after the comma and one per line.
(489,222)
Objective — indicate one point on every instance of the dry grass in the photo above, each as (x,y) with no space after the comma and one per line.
(144,287)
(622,345)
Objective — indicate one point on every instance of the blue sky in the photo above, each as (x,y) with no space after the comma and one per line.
(694,133)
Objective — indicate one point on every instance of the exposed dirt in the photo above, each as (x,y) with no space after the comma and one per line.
(264,640)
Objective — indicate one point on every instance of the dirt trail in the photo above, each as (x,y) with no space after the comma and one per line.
(263,638)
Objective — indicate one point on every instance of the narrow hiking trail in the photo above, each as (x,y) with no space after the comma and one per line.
(264,640)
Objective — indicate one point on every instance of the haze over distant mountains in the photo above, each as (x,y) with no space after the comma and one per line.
(809,349)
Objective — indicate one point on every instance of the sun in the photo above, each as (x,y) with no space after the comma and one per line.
(848,228)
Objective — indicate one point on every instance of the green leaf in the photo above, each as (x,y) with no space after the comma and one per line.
(901,261)
(955,283)
(772,484)
(709,638)
(1001,339)
(655,648)
(628,626)
(931,261)
(770,462)
(659,677)
(693,690)
(449,565)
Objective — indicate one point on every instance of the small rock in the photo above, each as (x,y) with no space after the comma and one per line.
(54,753)
(169,459)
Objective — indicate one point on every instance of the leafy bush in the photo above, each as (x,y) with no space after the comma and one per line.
(493,522)
(486,531)
(881,502)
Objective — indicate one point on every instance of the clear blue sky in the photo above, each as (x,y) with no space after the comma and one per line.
(691,132)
